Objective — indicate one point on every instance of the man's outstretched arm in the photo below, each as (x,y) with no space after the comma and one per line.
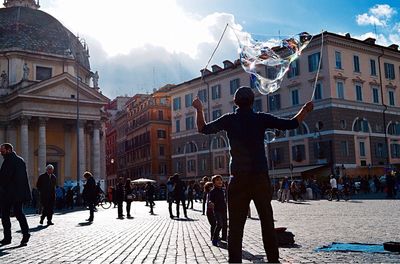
(303,112)
(197,104)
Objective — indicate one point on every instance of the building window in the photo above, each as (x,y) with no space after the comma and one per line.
(358,93)
(318,92)
(219,162)
(338,59)
(203,164)
(191,165)
(313,61)
(43,73)
(272,72)
(178,125)
(161,133)
(274,102)
(295,97)
(375,95)
(257,106)
(190,147)
(294,69)
(340,90)
(344,148)
(188,100)
(162,169)
(391,98)
(395,150)
(234,85)
(342,124)
(373,67)
(216,113)
(300,130)
(218,143)
(394,129)
(189,122)
(380,150)
(389,71)
(161,150)
(216,92)
(178,166)
(362,149)
(361,125)
(356,62)
(203,95)
(177,103)
(299,153)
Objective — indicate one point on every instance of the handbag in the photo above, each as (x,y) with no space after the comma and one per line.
(129,197)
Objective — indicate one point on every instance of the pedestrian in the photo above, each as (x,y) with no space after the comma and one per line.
(36,200)
(217,197)
(334,188)
(69,199)
(60,193)
(248,167)
(204,181)
(128,197)
(190,195)
(150,192)
(210,208)
(90,194)
(14,192)
(119,197)
(46,185)
(285,189)
(179,194)
(170,195)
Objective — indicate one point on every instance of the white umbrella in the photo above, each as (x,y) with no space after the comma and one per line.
(143,180)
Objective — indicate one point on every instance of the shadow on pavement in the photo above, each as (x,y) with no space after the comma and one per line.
(254,258)
(196,210)
(3,249)
(186,219)
(36,229)
(290,246)
(84,224)
(302,203)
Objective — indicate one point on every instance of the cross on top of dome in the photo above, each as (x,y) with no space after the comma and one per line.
(24,3)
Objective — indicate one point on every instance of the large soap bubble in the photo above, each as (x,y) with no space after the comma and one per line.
(268,61)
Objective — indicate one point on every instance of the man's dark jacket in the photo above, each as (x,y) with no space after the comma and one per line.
(90,190)
(46,185)
(14,184)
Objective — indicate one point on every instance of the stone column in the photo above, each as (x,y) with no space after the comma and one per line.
(81,150)
(103,154)
(24,139)
(42,159)
(2,133)
(96,151)
(12,134)
(68,153)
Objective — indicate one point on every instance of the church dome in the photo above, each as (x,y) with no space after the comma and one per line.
(32,30)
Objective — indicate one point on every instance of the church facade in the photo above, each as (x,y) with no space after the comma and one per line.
(50,102)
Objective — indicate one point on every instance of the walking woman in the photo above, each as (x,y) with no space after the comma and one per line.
(128,197)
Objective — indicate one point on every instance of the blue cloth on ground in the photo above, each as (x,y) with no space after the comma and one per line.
(353,247)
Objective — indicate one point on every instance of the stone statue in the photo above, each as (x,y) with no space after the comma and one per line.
(95,77)
(4,80)
(26,72)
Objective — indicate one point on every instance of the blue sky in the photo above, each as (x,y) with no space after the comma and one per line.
(140,45)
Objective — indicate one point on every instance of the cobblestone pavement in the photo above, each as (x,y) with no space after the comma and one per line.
(158,239)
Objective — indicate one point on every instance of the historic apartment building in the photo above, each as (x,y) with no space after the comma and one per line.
(142,135)
(354,128)
(50,102)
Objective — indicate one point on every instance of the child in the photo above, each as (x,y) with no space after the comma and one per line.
(210,207)
(218,200)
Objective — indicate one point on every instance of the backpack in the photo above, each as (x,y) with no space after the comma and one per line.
(285,238)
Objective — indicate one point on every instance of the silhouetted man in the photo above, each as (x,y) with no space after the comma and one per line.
(248,167)
(46,185)
(14,191)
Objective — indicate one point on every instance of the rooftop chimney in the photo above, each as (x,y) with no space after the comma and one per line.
(394,47)
(370,40)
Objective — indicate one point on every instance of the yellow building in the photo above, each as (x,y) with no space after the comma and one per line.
(50,102)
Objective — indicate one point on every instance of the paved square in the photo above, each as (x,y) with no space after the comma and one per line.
(158,239)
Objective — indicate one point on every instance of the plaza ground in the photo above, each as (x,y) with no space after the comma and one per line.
(158,239)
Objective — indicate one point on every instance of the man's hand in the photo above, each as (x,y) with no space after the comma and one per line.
(197,104)
(308,107)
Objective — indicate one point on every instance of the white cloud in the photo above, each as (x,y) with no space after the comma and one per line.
(378,15)
(140,45)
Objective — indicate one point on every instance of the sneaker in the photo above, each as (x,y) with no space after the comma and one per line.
(25,239)
(5,242)
(215,243)
(50,223)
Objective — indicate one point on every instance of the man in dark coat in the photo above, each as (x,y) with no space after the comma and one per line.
(180,194)
(14,191)
(90,193)
(46,185)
